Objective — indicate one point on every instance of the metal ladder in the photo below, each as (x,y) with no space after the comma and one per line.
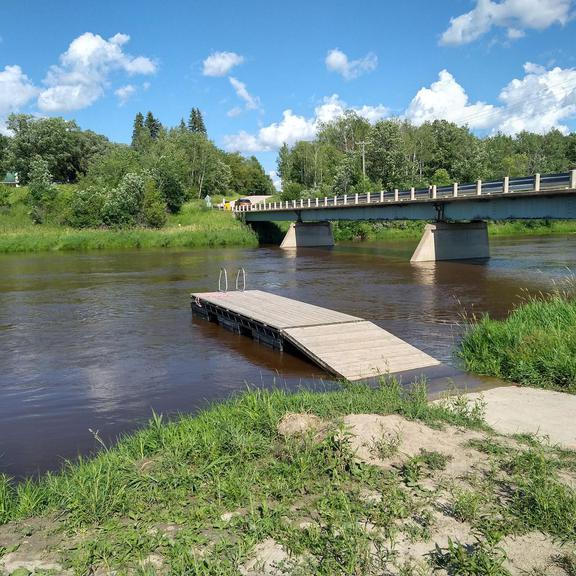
(240,280)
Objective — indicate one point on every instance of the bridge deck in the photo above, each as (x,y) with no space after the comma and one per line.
(344,345)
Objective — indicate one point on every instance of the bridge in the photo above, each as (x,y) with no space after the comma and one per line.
(459,212)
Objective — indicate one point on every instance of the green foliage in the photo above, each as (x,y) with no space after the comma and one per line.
(291,191)
(534,346)
(441,177)
(196,122)
(153,206)
(41,189)
(65,148)
(123,204)
(480,560)
(86,207)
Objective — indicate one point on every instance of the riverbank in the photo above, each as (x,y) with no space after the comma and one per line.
(534,346)
(354,481)
(194,227)
(406,230)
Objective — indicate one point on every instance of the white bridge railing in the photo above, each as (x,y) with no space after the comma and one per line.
(524,184)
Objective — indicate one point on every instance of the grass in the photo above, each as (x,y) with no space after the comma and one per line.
(200,492)
(194,227)
(534,346)
(404,230)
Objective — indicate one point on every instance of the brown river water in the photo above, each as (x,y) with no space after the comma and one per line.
(99,340)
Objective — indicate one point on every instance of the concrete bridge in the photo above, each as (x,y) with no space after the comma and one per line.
(459,212)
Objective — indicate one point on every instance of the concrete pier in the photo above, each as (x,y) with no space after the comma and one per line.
(447,241)
(308,234)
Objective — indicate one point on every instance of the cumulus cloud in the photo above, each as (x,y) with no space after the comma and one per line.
(293,127)
(83,74)
(16,90)
(124,93)
(220,63)
(538,102)
(337,61)
(515,15)
(250,102)
(447,100)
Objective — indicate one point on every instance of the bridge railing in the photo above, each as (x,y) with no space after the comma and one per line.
(522,184)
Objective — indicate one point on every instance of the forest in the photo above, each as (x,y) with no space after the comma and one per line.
(351,155)
(78,178)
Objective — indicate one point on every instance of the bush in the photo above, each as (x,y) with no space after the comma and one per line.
(170,188)
(41,190)
(153,206)
(291,191)
(122,205)
(86,208)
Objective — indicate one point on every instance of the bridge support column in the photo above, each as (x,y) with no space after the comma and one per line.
(444,241)
(303,234)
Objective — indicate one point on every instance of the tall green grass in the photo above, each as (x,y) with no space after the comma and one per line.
(194,227)
(534,346)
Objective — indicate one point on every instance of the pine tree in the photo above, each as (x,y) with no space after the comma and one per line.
(138,130)
(182,125)
(152,125)
(196,122)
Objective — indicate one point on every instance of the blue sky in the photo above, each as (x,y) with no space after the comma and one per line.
(267,72)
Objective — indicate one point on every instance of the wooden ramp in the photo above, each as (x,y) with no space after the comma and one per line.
(344,345)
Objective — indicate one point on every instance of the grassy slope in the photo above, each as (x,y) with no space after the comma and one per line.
(111,510)
(193,227)
(534,346)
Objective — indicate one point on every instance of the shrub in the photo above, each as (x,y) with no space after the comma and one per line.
(122,205)
(153,206)
(41,190)
(86,207)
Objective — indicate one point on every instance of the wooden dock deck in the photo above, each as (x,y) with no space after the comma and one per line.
(344,345)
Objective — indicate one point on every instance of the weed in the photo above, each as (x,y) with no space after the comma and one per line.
(566,562)
(479,559)
(387,445)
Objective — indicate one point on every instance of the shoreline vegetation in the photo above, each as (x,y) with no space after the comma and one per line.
(196,226)
(358,480)
(534,346)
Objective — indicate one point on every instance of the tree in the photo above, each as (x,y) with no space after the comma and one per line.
(384,158)
(140,133)
(57,141)
(196,122)
(153,126)
(153,206)
(41,189)
(122,204)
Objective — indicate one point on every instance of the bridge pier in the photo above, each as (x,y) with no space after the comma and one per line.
(448,241)
(308,234)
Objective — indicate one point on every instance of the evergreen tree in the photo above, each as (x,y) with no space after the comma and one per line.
(138,130)
(153,126)
(182,125)
(196,122)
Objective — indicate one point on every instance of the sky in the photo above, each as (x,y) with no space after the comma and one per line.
(265,72)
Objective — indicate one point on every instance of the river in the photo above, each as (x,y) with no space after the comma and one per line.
(96,341)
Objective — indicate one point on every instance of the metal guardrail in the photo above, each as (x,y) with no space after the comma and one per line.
(523,184)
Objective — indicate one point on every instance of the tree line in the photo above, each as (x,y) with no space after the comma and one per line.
(351,155)
(120,185)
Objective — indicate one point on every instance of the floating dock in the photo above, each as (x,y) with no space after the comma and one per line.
(344,345)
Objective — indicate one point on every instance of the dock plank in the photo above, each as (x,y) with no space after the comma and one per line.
(344,345)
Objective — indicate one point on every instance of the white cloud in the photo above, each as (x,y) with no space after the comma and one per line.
(233,112)
(293,127)
(515,15)
(220,63)
(124,93)
(337,61)
(275,179)
(251,102)
(16,90)
(447,100)
(84,71)
(538,102)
